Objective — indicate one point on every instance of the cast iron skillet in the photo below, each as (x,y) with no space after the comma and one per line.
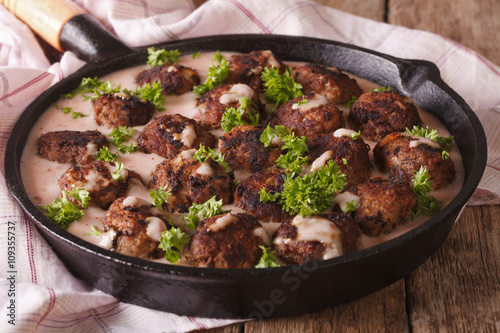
(270,292)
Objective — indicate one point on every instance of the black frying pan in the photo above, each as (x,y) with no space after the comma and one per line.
(270,292)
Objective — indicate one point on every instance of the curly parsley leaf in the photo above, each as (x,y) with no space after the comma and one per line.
(173,242)
(117,174)
(94,231)
(312,194)
(381,89)
(246,114)
(203,154)
(280,88)
(119,136)
(351,101)
(356,135)
(162,56)
(350,206)
(62,211)
(432,134)
(151,93)
(105,155)
(422,186)
(268,259)
(266,196)
(294,147)
(216,75)
(160,196)
(198,212)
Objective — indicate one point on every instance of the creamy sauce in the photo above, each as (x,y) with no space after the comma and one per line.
(316,229)
(222,222)
(344,132)
(418,141)
(343,198)
(155,228)
(316,101)
(205,169)
(321,161)
(235,93)
(40,176)
(187,136)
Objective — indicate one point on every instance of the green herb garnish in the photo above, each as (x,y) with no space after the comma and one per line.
(432,134)
(119,136)
(246,114)
(268,259)
(151,93)
(62,211)
(173,242)
(105,155)
(351,101)
(203,154)
(94,231)
(160,196)
(162,56)
(381,89)
(216,75)
(198,212)
(280,88)
(422,186)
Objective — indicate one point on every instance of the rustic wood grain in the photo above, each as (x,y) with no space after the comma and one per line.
(474,24)
(372,9)
(462,279)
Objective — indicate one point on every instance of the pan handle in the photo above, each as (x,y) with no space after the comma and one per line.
(67,27)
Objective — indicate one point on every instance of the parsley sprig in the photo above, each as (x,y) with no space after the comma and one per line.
(432,134)
(198,212)
(119,136)
(151,93)
(422,186)
(105,155)
(280,88)
(268,259)
(245,114)
(161,56)
(295,147)
(160,196)
(62,211)
(203,154)
(310,194)
(173,242)
(216,75)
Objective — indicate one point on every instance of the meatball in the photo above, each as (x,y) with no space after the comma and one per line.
(316,115)
(191,181)
(247,68)
(306,239)
(175,79)
(383,205)
(351,155)
(120,109)
(377,114)
(213,104)
(247,197)
(227,241)
(402,154)
(71,146)
(336,86)
(168,135)
(243,149)
(97,179)
(138,226)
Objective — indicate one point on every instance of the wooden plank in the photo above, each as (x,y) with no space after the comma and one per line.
(462,280)
(378,312)
(474,24)
(372,9)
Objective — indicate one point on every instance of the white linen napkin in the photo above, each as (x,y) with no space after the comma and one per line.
(47,297)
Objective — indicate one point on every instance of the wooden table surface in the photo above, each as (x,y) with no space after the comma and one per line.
(458,288)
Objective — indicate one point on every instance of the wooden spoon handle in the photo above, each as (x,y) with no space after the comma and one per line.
(45,17)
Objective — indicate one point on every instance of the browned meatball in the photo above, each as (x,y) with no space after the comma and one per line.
(113,110)
(243,149)
(175,79)
(401,154)
(336,86)
(191,181)
(168,135)
(247,68)
(213,104)
(306,239)
(383,205)
(377,114)
(351,155)
(98,180)
(138,226)
(71,146)
(226,241)
(315,116)
(247,197)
